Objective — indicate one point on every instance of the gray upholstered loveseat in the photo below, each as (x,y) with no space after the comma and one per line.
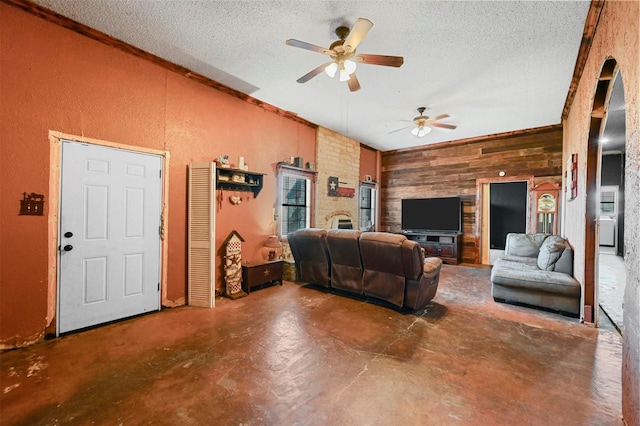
(537,269)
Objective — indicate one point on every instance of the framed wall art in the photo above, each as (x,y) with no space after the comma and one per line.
(572,177)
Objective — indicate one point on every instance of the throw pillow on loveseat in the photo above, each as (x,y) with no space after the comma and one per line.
(550,251)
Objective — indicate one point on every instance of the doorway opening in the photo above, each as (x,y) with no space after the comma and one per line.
(611,264)
(502,206)
(604,230)
(507,211)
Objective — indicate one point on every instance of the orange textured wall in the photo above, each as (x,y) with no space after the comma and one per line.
(55,79)
(368,162)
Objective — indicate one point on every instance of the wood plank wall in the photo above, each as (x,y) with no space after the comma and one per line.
(452,168)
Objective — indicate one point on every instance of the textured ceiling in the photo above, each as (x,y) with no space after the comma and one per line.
(492,66)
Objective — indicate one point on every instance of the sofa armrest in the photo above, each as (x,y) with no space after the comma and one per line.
(431,267)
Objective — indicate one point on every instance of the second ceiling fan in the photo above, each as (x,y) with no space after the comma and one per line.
(424,124)
(343,55)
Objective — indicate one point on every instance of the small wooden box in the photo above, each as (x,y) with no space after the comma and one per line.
(259,273)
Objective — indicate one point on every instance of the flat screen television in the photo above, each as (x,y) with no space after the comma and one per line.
(432,215)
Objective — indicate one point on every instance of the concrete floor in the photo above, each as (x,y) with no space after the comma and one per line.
(611,284)
(293,355)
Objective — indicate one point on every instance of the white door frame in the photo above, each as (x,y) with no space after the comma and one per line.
(55,159)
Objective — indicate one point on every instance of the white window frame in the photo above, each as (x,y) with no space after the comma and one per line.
(308,176)
(369,186)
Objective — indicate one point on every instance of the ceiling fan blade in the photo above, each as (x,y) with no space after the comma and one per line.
(358,33)
(308,76)
(306,46)
(442,125)
(388,61)
(399,130)
(354,84)
(439,117)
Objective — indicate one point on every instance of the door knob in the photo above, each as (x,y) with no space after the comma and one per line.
(68,247)
(68,234)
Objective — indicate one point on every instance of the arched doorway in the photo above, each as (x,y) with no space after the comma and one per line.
(611,263)
(600,115)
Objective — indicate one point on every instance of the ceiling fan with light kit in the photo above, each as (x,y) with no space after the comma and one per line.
(343,55)
(424,124)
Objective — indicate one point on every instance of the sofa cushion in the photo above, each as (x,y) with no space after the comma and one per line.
(523,275)
(526,245)
(550,252)
(384,266)
(346,262)
(531,261)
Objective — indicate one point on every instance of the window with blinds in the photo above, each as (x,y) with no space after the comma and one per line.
(295,203)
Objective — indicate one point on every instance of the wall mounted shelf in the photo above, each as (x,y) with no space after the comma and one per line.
(239,180)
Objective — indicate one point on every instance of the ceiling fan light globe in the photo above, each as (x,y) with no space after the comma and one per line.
(344,75)
(421,131)
(349,66)
(331,69)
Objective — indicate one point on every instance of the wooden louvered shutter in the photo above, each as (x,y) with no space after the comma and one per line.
(201,235)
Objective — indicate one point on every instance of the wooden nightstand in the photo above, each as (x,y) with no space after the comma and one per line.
(258,273)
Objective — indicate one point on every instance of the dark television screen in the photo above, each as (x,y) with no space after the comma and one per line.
(431,214)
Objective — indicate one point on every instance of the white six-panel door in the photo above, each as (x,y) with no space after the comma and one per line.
(109,254)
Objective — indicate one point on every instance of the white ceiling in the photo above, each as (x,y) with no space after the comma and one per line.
(492,66)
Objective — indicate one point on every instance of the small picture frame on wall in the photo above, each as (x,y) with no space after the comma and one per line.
(572,177)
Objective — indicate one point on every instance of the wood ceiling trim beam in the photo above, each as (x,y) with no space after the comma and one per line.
(504,135)
(593,16)
(55,18)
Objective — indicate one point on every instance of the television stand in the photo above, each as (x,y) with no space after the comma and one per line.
(446,246)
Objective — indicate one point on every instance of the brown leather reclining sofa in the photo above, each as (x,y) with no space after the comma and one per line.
(374,264)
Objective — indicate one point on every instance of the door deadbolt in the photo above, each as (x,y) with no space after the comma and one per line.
(68,247)
(68,234)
